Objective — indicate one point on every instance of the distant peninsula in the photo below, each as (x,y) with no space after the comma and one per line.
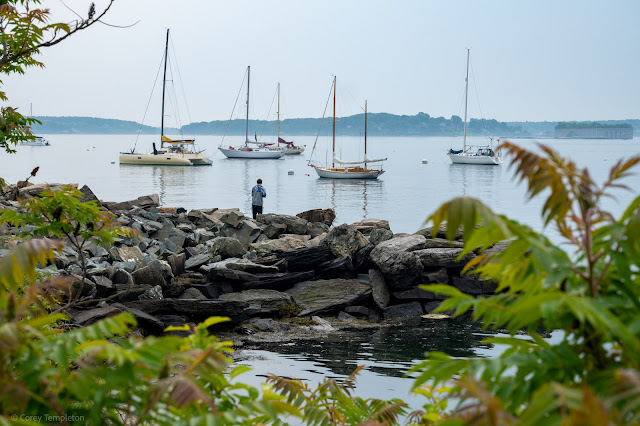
(379,124)
(593,131)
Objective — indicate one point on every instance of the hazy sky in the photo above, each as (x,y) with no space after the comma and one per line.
(531,60)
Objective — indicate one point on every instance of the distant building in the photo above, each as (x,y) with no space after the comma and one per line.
(593,131)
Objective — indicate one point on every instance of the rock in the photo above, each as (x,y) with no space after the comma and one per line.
(252,268)
(192,293)
(128,254)
(361,260)
(358,311)
(442,243)
(415,294)
(269,325)
(104,286)
(340,267)
(305,259)
(379,235)
(294,224)
(197,261)
(129,266)
(442,257)
(177,263)
(439,276)
(366,226)
(195,310)
(261,302)
(413,309)
(400,268)
(469,285)
(321,324)
(154,293)
(176,321)
(148,323)
(141,202)
(157,272)
(316,241)
(344,240)
(379,288)
(145,225)
(406,243)
(88,317)
(343,316)
(280,282)
(497,248)
(303,238)
(227,247)
(203,235)
(440,233)
(88,195)
(316,228)
(171,233)
(231,217)
(325,216)
(274,230)
(276,246)
(230,275)
(246,233)
(328,295)
(120,276)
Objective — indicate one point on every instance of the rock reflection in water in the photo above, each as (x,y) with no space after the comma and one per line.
(387,351)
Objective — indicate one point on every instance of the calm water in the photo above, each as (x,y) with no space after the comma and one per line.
(405,195)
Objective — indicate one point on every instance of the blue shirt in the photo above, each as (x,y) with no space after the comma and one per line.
(257,194)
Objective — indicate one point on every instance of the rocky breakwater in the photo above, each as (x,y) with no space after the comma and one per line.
(278,273)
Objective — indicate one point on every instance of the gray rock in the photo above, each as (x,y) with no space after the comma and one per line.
(400,268)
(104,286)
(360,311)
(87,317)
(328,295)
(177,262)
(155,273)
(121,276)
(344,240)
(274,230)
(403,243)
(294,224)
(469,285)
(129,266)
(192,293)
(439,276)
(442,243)
(145,225)
(366,226)
(227,247)
(415,294)
(252,268)
(148,323)
(154,293)
(413,309)
(246,232)
(169,232)
(325,216)
(195,310)
(316,228)
(269,325)
(261,302)
(197,261)
(321,324)
(276,246)
(442,257)
(379,288)
(379,235)
(343,316)
(128,254)
(142,202)
(203,235)
(362,258)
(305,259)
(88,195)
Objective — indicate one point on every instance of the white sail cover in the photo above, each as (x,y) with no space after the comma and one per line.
(366,160)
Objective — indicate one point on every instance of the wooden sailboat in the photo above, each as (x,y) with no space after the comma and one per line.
(178,152)
(246,151)
(473,154)
(349,169)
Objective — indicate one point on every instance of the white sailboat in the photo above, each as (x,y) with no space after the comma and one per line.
(178,152)
(246,151)
(473,154)
(289,148)
(348,169)
(39,140)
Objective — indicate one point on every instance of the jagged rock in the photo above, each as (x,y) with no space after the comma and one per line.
(227,247)
(415,294)
(104,286)
(442,243)
(343,316)
(439,276)
(274,230)
(497,248)
(224,274)
(203,235)
(88,195)
(325,216)
(128,254)
(197,261)
(252,268)
(276,246)
(359,311)
(400,268)
(321,324)
(344,240)
(379,288)
(231,217)
(89,316)
(280,282)
(195,310)
(149,323)
(379,235)
(129,266)
(120,276)
(177,262)
(96,250)
(260,301)
(366,226)
(315,229)
(413,309)
(305,259)
(469,285)
(442,257)
(340,267)
(403,243)
(246,233)
(154,293)
(361,260)
(141,202)
(303,238)
(157,272)
(192,293)
(328,295)
(145,225)
(294,224)
(169,232)
(441,232)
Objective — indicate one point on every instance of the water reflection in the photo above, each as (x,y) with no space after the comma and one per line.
(351,194)
(388,351)
(477,181)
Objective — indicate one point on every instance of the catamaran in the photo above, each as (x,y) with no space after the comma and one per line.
(261,151)
(473,154)
(348,169)
(178,152)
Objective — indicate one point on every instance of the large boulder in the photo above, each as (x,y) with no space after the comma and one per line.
(195,310)
(305,259)
(379,235)
(157,272)
(171,233)
(413,309)
(227,247)
(379,288)
(443,257)
(325,216)
(344,240)
(328,295)
(404,243)
(280,245)
(127,254)
(294,224)
(261,302)
(441,232)
(400,266)
(366,226)
(143,202)
(246,232)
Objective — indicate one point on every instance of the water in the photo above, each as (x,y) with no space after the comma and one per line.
(405,195)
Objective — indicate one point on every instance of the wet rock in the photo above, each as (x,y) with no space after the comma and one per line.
(366,226)
(304,259)
(442,257)
(157,272)
(379,288)
(326,216)
(227,247)
(260,302)
(154,293)
(413,309)
(328,295)
(272,247)
(192,293)
(344,240)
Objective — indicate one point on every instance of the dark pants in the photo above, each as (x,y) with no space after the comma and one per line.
(256,210)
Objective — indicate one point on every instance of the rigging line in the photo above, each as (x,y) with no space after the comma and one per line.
(174,100)
(321,122)
(184,93)
(234,107)
(148,103)
(475,87)
(269,113)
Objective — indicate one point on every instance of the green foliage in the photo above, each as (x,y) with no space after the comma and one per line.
(591,295)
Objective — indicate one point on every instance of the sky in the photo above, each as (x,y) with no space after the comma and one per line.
(530,60)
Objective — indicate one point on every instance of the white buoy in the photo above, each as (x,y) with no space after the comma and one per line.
(424,161)
(290,172)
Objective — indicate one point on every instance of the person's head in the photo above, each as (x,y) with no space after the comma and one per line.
(259,181)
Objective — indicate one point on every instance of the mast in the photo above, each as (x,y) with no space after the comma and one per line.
(333,164)
(365,135)
(246,132)
(466,97)
(164,83)
(278,114)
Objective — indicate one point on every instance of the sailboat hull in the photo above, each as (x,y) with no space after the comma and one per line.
(483,160)
(347,173)
(153,160)
(263,154)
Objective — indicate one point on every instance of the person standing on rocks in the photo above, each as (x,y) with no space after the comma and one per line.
(257,194)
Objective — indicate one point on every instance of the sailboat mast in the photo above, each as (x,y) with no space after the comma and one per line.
(333,164)
(246,132)
(278,114)
(365,135)
(164,83)
(466,98)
